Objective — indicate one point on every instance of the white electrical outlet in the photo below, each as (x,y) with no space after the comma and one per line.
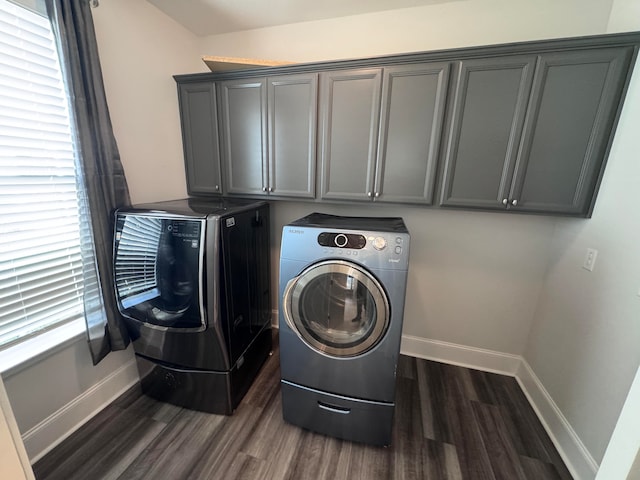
(590,259)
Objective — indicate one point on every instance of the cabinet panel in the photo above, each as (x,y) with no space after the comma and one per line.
(350,106)
(411,124)
(292,105)
(243,107)
(200,137)
(488,113)
(574,102)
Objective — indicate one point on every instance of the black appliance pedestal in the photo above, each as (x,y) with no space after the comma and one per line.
(205,390)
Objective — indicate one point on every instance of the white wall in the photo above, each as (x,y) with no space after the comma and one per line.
(622,457)
(14,463)
(451,24)
(140,51)
(53,397)
(585,341)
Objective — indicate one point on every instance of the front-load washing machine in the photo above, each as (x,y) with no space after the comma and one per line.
(342,293)
(192,281)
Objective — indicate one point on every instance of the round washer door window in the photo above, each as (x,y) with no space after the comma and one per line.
(337,308)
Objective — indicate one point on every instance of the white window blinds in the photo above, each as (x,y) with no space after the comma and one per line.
(135,261)
(40,266)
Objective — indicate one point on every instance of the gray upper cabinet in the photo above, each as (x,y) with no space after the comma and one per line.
(349,116)
(243,107)
(200,137)
(381,131)
(413,102)
(533,143)
(521,127)
(488,112)
(567,130)
(268,135)
(292,106)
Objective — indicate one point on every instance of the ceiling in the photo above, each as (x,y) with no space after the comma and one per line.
(212,17)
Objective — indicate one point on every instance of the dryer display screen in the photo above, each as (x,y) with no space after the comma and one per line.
(342,240)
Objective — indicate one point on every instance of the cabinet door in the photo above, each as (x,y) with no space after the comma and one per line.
(292,103)
(567,130)
(413,100)
(488,113)
(200,137)
(350,107)
(243,108)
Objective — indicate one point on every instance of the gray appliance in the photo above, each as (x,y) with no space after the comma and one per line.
(192,280)
(342,291)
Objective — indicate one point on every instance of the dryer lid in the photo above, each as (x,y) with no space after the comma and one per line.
(380,224)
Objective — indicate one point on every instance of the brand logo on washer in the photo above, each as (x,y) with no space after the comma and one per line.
(297,232)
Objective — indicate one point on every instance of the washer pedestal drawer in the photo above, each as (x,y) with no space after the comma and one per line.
(341,417)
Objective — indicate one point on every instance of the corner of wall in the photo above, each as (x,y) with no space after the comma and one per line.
(569,445)
(51,431)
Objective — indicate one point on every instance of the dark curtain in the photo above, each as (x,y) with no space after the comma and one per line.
(101,182)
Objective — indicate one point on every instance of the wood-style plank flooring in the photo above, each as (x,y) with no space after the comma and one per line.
(450,423)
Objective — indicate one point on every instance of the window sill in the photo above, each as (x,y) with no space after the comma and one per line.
(34,350)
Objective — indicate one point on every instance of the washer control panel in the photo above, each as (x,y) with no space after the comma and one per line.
(342,240)
(358,242)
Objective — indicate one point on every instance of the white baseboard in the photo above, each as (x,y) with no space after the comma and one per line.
(47,434)
(574,453)
(454,354)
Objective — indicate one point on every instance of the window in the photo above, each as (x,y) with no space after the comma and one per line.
(40,265)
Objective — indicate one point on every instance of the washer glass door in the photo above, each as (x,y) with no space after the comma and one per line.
(337,308)
(158,265)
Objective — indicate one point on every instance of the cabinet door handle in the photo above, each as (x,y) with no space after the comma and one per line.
(377,194)
(270,189)
(216,188)
(505,201)
(369,194)
(264,189)
(514,202)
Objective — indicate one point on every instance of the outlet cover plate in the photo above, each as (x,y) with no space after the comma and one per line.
(590,259)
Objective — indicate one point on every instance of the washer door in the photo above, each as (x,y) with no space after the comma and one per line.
(337,308)
(158,267)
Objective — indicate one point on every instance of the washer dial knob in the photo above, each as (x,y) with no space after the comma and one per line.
(379,243)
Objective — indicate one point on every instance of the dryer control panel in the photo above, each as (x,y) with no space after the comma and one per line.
(358,242)
(342,240)
(376,243)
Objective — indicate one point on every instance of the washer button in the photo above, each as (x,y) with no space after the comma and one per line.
(398,249)
(399,240)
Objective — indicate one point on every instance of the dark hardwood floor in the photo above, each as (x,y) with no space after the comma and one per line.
(450,423)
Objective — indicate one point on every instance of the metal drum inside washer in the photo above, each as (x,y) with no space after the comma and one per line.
(342,291)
